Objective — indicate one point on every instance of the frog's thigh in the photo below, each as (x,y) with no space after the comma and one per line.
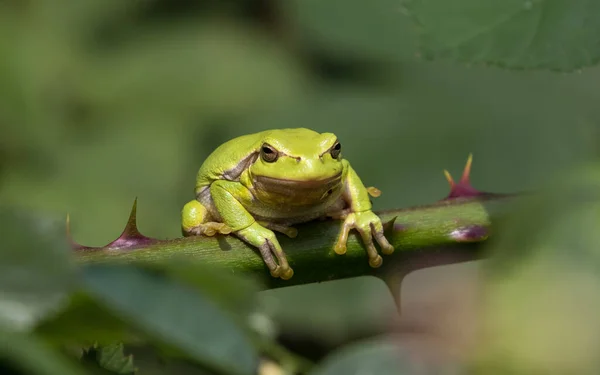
(228,197)
(194,221)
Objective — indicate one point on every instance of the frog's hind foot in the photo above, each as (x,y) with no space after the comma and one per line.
(210,229)
(291,232)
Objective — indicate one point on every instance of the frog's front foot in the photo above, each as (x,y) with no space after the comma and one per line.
(265,240)
(195,221)
(209,229)
(368,225)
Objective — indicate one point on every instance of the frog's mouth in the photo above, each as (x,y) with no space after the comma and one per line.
(296,191)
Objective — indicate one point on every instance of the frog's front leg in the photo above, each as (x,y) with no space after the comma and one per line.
(226,196)
(195,221)
(360,217)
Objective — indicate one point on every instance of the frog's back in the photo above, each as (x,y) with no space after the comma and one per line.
(231,158)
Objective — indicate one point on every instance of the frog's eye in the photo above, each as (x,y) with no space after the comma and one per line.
(336,150)
(268,153)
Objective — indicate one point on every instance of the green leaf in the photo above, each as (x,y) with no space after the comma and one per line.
(377,357)
(339,316)
(174,314)
(112,358)
(354,28)
(84,321)
(36,269)
(30,355)
(561,35)
(232,292)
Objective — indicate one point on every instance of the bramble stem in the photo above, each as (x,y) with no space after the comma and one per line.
(431,228)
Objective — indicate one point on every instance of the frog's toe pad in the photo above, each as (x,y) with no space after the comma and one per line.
(340,249)
(287,274)
(376,262)
(276,272)
(387,250)
(210,229)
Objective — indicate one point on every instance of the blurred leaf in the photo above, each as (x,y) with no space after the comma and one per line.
(542,297)
(36,269)
(81,18)
(30,355)
(328,313)
(372,357)
(174,314)
(232,292)
(355,28)
(549,34)
(112,358)
(84,322)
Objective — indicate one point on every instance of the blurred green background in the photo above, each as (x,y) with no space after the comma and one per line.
(105,101)
(102,101)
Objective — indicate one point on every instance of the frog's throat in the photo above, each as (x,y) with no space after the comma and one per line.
(296,191)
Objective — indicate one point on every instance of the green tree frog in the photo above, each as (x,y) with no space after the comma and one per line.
(259,183)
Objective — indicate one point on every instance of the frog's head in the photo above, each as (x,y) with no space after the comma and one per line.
(298,166)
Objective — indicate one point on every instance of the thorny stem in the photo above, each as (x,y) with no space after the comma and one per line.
(418,230)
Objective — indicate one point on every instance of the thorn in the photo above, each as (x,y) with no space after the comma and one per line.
(463,188)
(130,237)
(449,178)
(131,228)
(467,171)
(389,225)
(68,227)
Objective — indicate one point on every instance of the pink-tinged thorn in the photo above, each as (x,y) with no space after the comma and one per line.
(465,179)
(131,236)
(463,188)
(449,178)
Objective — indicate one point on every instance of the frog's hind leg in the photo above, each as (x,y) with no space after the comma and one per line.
(289,231)
(195,221)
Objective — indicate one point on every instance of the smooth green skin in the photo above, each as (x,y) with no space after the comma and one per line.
(240,191)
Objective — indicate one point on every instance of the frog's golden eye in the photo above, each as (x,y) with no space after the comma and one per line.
(336,150)
(268,153)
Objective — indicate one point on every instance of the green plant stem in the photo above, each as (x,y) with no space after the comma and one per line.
(311,255)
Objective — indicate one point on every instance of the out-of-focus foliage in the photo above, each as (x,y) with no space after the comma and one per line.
(543,285)
(561,35)
(36,270)
(105,100)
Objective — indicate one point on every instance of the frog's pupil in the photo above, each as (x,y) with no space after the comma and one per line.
(267,150)
(338,147)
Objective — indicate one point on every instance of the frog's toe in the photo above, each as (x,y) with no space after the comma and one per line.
(223,228)
(386,247)
(340,248)
(341,244)
(387,250)
(375,259)
(373,191)
(287,273)
(275,272)
(376,262)
(210,229)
